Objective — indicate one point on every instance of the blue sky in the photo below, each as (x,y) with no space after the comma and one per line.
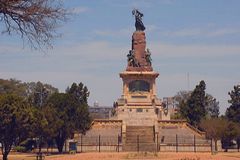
(199,38)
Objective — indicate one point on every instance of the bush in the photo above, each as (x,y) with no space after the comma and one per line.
(29,144)
(20,149)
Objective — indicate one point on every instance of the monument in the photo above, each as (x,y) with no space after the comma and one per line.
(139,104)
(141,122)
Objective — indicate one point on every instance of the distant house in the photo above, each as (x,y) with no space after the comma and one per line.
(100,112)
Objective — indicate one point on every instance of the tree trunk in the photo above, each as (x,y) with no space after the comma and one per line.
(40,145)
(216,147)
(60,144)
(47,148)
(5,156)
(5,150)
(39,148)
(60,139)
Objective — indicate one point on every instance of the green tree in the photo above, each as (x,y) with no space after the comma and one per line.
(44,127)
(71,116)
(39,93)
(194,109)
(15,121)
(80,92)
(212,106)
(180,101)
(233,112)
(232,132)
(12,86)
(182,97)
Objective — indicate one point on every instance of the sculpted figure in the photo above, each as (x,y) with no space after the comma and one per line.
(138,20)
(148,57)
(132,61)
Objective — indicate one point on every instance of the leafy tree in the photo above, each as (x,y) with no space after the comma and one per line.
(40,124)
(212,106)
(233,112)
(12,86)
(232,132)
(215,128)
(39,93)
(80,92)
(34,20)
(182,97)
(30,90)
(15,121)
(43,126)
(194,109)
(180,101)
(71,116)
(43,114)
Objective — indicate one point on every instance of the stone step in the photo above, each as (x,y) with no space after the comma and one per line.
(141,139)
(151,147)
(145,135)
(139,128)
(139,135)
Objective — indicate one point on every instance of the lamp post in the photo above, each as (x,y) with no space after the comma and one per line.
(41,94)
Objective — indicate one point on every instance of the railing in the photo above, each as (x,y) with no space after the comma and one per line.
(99,143)
(196,130)
(173,143)
(180,143)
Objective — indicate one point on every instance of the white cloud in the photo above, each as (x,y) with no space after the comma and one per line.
(79,10)
(114,33)
(196,50)
(202,32)
(151,28)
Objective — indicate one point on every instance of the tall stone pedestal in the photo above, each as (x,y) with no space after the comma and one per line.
(139,104)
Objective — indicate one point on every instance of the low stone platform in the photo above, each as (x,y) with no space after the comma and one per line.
(114,135)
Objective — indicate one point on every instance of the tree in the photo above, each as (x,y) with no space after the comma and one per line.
(34,20)
(215,128)
(194,109)
(15,121)
(12,86)
(80,92)
(180,101)
(43,115)
(232,132)
(212,106)
(45,124)
(182,97)
(71,116)
(233,112)
(39,93)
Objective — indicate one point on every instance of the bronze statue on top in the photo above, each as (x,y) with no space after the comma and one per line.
(139,59)
(138,20)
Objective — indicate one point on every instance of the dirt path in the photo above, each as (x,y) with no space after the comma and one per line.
(147,156)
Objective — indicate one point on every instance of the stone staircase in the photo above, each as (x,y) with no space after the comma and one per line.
(139,138)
